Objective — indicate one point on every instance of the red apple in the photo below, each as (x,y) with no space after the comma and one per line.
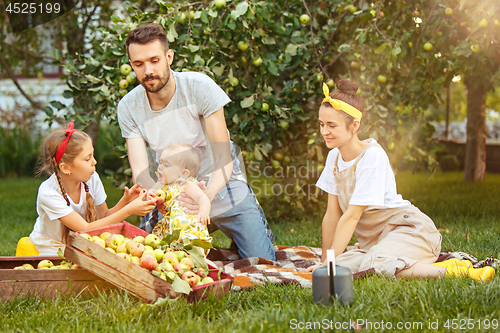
(190,278)
(188,262)
(100,242)
(148,262)
(181,269)
(137,250)
(114,241)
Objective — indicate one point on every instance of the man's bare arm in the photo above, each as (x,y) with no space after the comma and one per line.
(139,163)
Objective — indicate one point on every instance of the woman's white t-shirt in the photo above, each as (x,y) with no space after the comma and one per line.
(375,185)
(51,205)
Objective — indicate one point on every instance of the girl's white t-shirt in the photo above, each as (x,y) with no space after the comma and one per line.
(51,205)
(375,185)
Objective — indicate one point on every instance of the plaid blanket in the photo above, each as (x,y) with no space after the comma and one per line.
(291,263)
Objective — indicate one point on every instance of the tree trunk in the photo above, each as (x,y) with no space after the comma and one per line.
(475,147)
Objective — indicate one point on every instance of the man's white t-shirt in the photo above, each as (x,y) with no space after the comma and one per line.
(182,121)
(375,185)
(51,205)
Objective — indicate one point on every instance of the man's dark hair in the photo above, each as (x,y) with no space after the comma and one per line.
(146,34)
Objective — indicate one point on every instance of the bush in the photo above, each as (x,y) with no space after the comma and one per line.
(18,152)
(449,163)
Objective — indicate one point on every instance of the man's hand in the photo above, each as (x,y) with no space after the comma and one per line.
(190,206)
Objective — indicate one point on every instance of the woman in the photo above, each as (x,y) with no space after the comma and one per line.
(395,238)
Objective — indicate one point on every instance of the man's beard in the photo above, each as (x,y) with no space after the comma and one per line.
(159,85)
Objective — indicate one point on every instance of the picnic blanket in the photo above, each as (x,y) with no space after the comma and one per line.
(291,263)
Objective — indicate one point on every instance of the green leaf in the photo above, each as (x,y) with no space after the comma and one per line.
(268,40)
(180,285)
(344,48)
(380,49)
(292,49)
(201,243)
(197,255)
(172,33)
(193,48)
(396,51)
(241,9)
(247,102)
(67,94)
(58,105)
(257,153)
(60,254)
(218,70)
(115,18)
(212,13)
(204,17)
(273,69)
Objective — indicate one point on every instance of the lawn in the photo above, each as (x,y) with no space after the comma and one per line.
(468,212)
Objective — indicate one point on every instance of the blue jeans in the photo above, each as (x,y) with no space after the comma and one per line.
(239,216)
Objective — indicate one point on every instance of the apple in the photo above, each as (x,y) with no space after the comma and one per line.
(45,263)
(152,240)
(448,11)
(170,258)
(166,266)
(181,269)
(161,194)
(381,78)
(202,272)
(330,83)
(123,92)
(180,254)
(139,239)
(284,125)
(123,84)
(28,266)
(188,262)
(234,81)
(286,159)
(319,77)
(352,9)
(428,46)
(264,107)
(125,69)
(110,249)
(65,266)
(87,236)
(93,238)
(101,242)
(207,280)
(496,23)
(129,245)
(475,48)
(410,45)
(244,60)
(243,46)
(190,278)
(181,18)
(251,157)
(483,23)
(355,64)
(220,3)
(148,262)
(191,15)
(55,267)
(358,92)
(123,255)
(114,241)
(131,78)
(148,252)
(304,18)
(135,260)
(275,163)
(75,266)
(257,62)
(105,235)
(137,250)
(148,247)
(121,248)
(278,156)
(158,254)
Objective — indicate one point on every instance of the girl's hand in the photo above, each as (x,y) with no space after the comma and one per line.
(142,204)
(132,193)
(190,206)
(314,267)
(203,218)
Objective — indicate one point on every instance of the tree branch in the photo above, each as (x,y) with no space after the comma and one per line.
(36,56)
(6,67)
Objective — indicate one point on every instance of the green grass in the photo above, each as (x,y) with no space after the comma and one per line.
(470,211)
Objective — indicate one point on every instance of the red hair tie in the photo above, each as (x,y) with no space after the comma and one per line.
(64,144)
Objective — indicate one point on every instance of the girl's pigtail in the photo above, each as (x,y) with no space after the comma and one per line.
(90,214)
(59,181)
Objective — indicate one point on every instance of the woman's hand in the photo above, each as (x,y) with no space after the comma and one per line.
(142,205)
(190,206)
(314,267)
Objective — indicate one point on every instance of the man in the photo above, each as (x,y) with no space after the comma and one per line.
(188,107)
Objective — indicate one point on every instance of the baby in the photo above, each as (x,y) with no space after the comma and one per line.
(178,166)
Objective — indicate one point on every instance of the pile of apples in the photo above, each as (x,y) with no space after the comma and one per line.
(47,264)
(146,252)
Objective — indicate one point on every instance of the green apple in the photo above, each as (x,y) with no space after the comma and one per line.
(105,235)
(28,266)
(428,46)
(181,18)
(110,249)
(448,11)
(139,239)
(352,8)
(355,64)
(242,46)
(358,92)
(220,3)
(113,241)
(234,81)
(391,146)
(278,156)
(148,252)
(125,69)
(123,92)
(286,159)
(131,78)
(410,45)
(152,240)
(251,157)
(87,236)
(284,125)
(475,48)
(159,254)
(244,60)
(330,83)
(264,107)
(381,78)
(257,62)
(170,258)
(483,23)
(191,15)
(304,18)
(162,195)
(275,163)
(319,77)
(180,254)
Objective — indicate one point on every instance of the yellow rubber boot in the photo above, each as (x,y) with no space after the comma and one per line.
(481,274)
(454,263)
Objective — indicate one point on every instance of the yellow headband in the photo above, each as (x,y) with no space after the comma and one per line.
(339,105)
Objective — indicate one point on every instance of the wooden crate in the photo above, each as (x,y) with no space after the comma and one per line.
(129,276)
(45,283)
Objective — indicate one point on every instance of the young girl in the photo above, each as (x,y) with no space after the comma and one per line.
(73,196)
(395,238)
(178,167)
